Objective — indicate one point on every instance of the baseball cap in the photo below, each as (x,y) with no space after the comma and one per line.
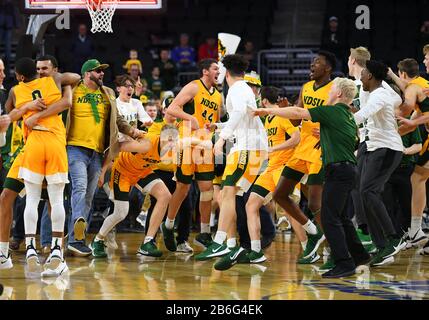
(92,64)
(333,18)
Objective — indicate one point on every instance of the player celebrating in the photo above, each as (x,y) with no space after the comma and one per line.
(197,104)
(244,160)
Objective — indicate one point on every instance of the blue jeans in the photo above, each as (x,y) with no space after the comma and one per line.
(45,227)
(84,170)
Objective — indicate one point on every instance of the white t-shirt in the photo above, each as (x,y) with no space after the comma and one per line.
(131,111)
(248,131)
(378,109)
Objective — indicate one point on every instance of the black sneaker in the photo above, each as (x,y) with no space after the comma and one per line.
(339,272)
(79,249)
(203,240)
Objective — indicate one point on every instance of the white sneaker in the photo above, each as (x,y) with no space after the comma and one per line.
(184,247)
(141,218)
(418,239)
(5,262)
(110,240)
(32,268)
(55,264)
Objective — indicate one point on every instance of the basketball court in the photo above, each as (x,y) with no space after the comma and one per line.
(178,276)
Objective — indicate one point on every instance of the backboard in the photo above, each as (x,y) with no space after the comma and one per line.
(39,6)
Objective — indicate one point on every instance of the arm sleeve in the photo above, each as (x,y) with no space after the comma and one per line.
(320,114)
(239,110)
(374,104)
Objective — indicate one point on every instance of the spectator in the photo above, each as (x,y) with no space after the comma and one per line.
(184,55)
(133,60)
(156,83)
(250,54)
(424,39)
(82,48)
(9,20)
(208,49)
(134,72)
(333,40)
(168,70)
(152,110)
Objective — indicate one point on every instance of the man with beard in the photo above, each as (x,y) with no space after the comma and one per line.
(92,127)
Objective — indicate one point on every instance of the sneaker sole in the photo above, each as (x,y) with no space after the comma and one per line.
(6,265)
(420,242)
(259,260)
(79,230)
(397,250)
(78,253)
(146,254)
(388,260)
(316,247)
(312,261)
(213,255)
(63,268)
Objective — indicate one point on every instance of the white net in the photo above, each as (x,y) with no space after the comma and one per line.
(101,13)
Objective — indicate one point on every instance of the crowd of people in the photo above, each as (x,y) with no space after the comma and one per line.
(352,148)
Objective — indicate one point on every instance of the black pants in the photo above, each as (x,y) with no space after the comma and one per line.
(268,229)
(377,168)
(346,248)
(185,212)
(397,198)
(356,208)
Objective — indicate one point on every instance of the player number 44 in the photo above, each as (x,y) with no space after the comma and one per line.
(210,117)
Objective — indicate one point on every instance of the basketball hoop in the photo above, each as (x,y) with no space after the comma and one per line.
(101,12)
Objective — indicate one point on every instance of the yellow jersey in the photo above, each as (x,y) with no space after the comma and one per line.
(423,83)
(205,106)
(88,125)
(44,88)
(309,146)
(278,131)
(167,163)
(132,164)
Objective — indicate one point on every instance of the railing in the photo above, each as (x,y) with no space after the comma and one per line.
(288,69)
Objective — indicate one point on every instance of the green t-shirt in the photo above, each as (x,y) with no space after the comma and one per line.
(408,140)
(338,132)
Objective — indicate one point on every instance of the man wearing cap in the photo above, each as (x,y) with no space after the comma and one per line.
(333,40)
(92,128)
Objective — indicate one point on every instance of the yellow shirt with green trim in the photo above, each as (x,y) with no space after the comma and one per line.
(166,164)
(85,130)
(309,146)
(278,131)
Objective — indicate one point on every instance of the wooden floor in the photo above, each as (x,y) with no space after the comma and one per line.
(178,276)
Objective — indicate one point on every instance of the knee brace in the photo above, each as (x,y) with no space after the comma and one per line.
(206,195)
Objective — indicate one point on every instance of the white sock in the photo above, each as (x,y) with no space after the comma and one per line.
(255,245)
(147,239)
(220,237)
(231,243)
(416,225)
(169,224)
(56,242)
(212,219)
(310,227)
(30,241)
(304,244)
(205,228)
(4,248)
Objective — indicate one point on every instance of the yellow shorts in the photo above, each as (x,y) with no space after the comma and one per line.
(121,183)
(194,163)
(296,168)
(242,169)
(45,157)
(266,183)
